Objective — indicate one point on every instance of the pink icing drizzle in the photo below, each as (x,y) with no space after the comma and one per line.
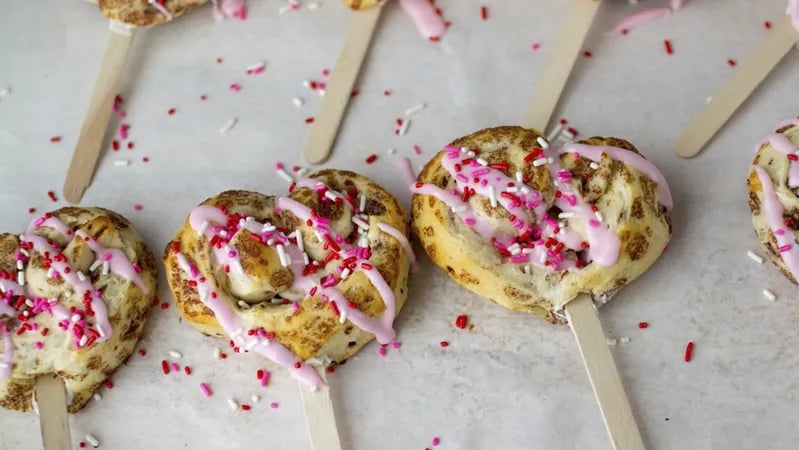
(381,326)
(223,9)
(604,244)
(424,16)
(771,203)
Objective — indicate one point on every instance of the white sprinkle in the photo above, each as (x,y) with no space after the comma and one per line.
(175,354)
(321,92)
(20,265)
(519,178)
(217,353)
(228,125)
(565,215)
(539,162)
(313,6)
(525,190)
(343,317)
(203,227)
(345,273)
(305,258)
(569,133)
(754,257)
(471,154)
(611,341)
(769,295)
(75,318)
(83,340)
(550,160)
(404,127)
(459,208)
(50,272)
(255,399)
(363,242)
(3,365)
(528,251)
(92,440)
(281,253)
(555,132)
(285,175)
(624,339)
(300,243)
(252,343)
(302,171)
(594,165)
(392,151)
(267,228)
(21,278)
(27,313)
(100,330)
(362,204)
(97,397)
(297,101)
(81,276)
(330,195)
(122,162)
(415,109)
(512,189)
(598,216)
(492,196)
(24,252)
(223,233)
(543,143)
(30,303)
(361,224)
(482,162)
(106,267)
(233,405)
(96,264)
(243,305)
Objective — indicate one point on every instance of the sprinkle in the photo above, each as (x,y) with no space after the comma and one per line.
(122,162)
(643,325)
(436,440)
(97,397)
(540,162)
(587,54)
(228,125)
(382,350)
(106,268)
(624,339)
(217,353)
(594,166)
(175,354)
(667,45)
(461,321)
(443,344)
(256,68)
(371,158)
(281,253)
(404,127)
(298,101)
(785,248)
(255,398)
(52,196)
(233,405)
(165,366)
(285,175)
(754,257)
(21,278)
(611,341)
(689,350)
(731,62)
(187,370)
(92,440)
(492,195)
(235,87)
(414,109)
(309,120)
(769,295)
(274,405)
(387,93)
(206,389)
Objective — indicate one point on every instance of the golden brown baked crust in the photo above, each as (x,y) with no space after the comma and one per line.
(309,328)
(625,197)
(776,167)
(141,14)
(128,305)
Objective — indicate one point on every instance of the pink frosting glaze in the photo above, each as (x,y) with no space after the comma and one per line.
(223,9)
(209,218)
(424,16)
(118,262)
(524,203)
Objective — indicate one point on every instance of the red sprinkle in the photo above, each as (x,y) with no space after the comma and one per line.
(309,120)
(31,210)
(115,145)
(164,367)
(461,321)
(171,111)
(484,13)
(689,350)
(55,139)
(203,97)
(587,54)
(82,444)
(667,45)
(109,384)
(297,365)
(187,369)
(52,196)
(354,93)
(444,344)
(386,93)
(245,407)
(731,62)
(164,305)
(371,158)
(767,24)
(643,325)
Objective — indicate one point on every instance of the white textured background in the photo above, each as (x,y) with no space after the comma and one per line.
(515,381)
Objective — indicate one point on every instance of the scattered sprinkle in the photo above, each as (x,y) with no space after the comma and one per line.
(274,405)
(754,257)
(415,109)
(55,139)
(667,46)
(731,63)
(235,87)
(769,295)
(443,344)
(228,125)
(171,111)
(233,404)
(643,325)
(206,389)
(461,321)
(484,13)
(624,339)
(52,196)
(587,54)
(387,93)
(298,101)
(689,350)
(122,162)
(611,341)
(371,158)
(535,46)
(175,354)
(256,68)
(137,207)
(309,120)
(92,440)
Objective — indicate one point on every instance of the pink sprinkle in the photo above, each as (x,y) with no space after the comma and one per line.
(382,350)
(779,232)
(206,389)
(265,379)
(417,150)
(123,132)
(470,221)
(436,441)
(39,345)
(235,87)
(296,306)
(106,256)
(536,46)
(137,207)
(274,405)
(175,367)
(594,223)
(396,344)
(325,73)
(785,248)
(278,166)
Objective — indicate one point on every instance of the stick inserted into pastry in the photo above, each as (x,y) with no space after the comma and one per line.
(51,398)
(75,290)
(320,418)
(547,229)
(338,91)
(305,280)
(559,65)
(125,17)
(737,89)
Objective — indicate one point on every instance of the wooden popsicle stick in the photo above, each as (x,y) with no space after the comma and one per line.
(737,89)
(608,389)
(319,416)
(339,88)
(563,55)
(95,123)
(51,396)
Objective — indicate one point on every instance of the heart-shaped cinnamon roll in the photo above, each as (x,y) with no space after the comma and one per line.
(146,13)
(75,290)
(773,182)
(316,274)
(532,226)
